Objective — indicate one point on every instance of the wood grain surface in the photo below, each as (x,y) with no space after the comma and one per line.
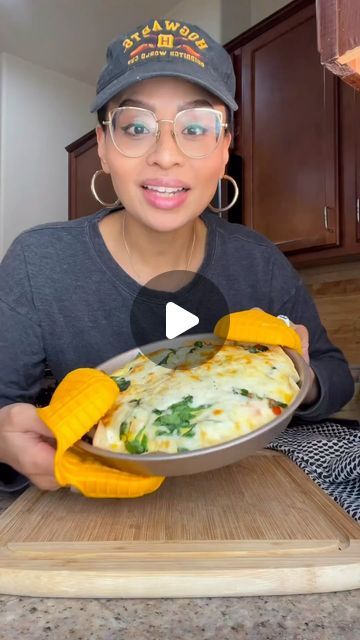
(257,527)
(336,291)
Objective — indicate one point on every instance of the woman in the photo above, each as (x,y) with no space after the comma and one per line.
(164,100)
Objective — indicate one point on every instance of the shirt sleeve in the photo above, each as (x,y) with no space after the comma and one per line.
(327,361)
(11,481)
(22,356)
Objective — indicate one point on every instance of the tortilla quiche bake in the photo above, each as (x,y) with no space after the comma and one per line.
(180,407)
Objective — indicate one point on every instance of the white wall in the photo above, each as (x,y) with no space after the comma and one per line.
(260,9)
(204,13)
(41,112)
(225,19)
(235,18)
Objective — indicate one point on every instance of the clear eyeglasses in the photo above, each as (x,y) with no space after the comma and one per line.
(135,130)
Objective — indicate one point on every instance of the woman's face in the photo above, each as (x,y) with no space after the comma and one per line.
(164,164)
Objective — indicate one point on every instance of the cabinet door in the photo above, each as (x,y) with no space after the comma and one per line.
(289,137)
(83,162)
(357,164)
(349,192)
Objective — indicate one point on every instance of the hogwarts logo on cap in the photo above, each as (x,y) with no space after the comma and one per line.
(166,47)
(164,39)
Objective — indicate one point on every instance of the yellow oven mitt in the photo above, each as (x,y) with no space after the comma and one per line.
(257,326)
(78,403)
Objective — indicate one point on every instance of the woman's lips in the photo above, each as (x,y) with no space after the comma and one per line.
(165,194)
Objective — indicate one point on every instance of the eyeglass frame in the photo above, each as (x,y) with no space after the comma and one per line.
(224,126)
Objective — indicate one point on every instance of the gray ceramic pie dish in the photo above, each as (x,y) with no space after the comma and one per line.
(179,464)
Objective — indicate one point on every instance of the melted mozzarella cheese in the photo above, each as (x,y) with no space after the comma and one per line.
(175,409)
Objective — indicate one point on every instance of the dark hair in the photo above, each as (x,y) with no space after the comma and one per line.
(102,114)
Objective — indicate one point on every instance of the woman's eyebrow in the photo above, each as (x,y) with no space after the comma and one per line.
(131,102)
(199,102)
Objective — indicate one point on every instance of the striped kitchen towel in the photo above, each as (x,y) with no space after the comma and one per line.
(329,452)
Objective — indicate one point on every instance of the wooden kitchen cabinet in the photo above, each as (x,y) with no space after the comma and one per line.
(349,186)
(295,134)
(289,137)
(356,119)
(83,162)
(339,38)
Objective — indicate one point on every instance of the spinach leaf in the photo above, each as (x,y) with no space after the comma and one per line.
(121,382)
(242,392)
(257,348)
(166,358)
(190,433)
(197,345)
(276,403)
(124,428)
(249,394)
(139,444)
(135,401)
(176,419)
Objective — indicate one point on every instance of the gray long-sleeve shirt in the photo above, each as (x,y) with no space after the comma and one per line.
(65,301)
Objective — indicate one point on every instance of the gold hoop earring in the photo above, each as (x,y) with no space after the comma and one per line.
(93,191)
(236,195)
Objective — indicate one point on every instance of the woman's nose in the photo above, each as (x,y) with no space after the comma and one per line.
(165,151)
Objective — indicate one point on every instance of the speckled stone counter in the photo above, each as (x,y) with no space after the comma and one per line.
(328,616)
(332,616)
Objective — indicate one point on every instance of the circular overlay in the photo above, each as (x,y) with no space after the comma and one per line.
(172,308)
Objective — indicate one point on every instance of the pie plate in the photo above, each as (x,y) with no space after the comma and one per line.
(205,459)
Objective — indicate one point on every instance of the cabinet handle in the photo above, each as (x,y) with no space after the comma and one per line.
(358,210)
(326,221)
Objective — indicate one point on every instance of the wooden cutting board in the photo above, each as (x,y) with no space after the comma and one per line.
(256,528)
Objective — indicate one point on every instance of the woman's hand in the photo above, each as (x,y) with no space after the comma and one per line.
(27,445)
(303,334)
(314,389)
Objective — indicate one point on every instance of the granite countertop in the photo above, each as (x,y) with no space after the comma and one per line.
(328,616)
(325,616)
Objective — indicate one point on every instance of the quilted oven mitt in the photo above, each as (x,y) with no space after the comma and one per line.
(257,326)
(79,401)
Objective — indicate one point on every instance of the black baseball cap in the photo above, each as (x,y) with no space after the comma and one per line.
(164,47)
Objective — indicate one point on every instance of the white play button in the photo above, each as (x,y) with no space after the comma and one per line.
(178,320)
(195,308)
